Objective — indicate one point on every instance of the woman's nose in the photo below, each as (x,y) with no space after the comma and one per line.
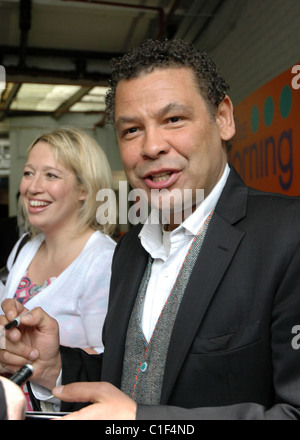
(35,184)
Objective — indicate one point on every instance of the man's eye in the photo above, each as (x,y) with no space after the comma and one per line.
(174,119)
(131,130)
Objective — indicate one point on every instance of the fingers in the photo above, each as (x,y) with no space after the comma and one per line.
(108,402)
(78,392)
(41,320)
(11,308)
(86,392)
(23,343)
(34,318)
(16,354)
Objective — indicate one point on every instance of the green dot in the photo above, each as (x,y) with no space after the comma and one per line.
(254,119)
(269,111)
(285,104)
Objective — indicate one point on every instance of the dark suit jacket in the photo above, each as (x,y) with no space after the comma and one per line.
(9,235)
(230,354)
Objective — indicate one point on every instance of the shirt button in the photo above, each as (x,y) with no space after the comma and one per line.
(144,367)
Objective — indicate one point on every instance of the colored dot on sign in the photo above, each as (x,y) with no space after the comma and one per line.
(285,103)
(269,111)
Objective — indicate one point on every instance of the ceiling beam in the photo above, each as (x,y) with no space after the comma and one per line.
(51,76)
(59,53)
(6,104)
(65,106)
(38,73)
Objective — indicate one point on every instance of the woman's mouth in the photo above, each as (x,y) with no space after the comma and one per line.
(37,206)
(38,203)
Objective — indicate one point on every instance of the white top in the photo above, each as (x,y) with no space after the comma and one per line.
(168,251)
(78,297)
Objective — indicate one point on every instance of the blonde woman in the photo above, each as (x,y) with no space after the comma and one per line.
(65,266)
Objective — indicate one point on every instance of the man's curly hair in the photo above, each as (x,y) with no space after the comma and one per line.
(155,54)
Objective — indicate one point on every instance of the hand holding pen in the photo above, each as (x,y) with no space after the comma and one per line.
(15,322)
(32,337)
(24,373)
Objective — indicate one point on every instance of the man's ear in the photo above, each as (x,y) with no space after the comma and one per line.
(225,119)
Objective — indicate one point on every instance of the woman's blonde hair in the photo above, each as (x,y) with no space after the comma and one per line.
(81,154)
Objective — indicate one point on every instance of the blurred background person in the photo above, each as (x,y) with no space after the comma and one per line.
(12,401)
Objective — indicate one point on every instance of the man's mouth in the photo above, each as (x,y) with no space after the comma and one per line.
(160,177)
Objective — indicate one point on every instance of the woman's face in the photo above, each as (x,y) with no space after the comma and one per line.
(49,191)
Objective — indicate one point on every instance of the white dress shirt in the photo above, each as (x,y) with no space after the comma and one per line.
(168,250)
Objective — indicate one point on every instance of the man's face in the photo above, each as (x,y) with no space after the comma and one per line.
(167,137)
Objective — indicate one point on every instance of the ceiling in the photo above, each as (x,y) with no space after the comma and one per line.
(54,54)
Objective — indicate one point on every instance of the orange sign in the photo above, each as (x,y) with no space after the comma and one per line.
(266,148)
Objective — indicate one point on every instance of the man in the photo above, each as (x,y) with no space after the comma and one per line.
(201,313)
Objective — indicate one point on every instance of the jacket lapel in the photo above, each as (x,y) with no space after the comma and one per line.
(124,285)
(219,247)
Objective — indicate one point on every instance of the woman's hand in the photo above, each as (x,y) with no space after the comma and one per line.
(36,341)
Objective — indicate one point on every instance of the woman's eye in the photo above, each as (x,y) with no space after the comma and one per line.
(27,173)
(51,176)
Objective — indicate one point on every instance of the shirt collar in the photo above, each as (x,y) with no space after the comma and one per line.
(194,222)
(151,233)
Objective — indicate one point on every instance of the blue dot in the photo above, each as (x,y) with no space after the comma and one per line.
(144,367)
(269,111)
(285,103)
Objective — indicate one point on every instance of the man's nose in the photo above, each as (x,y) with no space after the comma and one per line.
(154,144)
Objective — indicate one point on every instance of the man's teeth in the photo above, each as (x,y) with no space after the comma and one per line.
(160,177)
(38,203)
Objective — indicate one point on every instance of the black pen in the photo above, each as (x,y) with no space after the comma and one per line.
(15,322)
(22,375)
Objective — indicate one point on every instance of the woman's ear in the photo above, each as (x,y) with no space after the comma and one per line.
(81,194)
(225,119)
